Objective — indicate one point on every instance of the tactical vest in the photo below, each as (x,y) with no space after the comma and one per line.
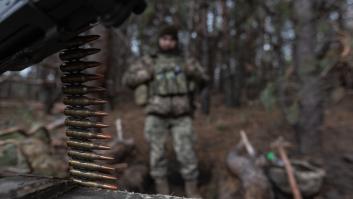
(169,77)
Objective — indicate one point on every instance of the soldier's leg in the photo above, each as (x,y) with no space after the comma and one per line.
(184,138)
(156,131)
(183,144)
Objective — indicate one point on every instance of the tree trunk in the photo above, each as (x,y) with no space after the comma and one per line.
(230,70)
(205,96)
(310,93)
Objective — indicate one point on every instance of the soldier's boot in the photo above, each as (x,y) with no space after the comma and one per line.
(162,186)
(191,189)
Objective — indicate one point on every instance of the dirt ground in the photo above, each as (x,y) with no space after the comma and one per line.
(219,132)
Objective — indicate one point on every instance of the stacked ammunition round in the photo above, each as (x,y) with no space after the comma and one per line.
(77,66)
(81,90)
(83,123)
(83,101)
(77,53)
(86,134)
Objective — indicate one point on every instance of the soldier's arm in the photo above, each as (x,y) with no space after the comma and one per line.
(196,72)
(140,72)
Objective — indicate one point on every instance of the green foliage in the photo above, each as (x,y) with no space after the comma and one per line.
(268,96)
(148,15)
(284,8)
(311,67)
(292,114)
(222,127)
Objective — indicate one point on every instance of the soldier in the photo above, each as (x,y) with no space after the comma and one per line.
(165,84)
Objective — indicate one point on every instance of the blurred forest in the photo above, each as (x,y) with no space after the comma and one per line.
(283,53)
(289,56)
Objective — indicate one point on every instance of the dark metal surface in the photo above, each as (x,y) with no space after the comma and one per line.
(31,30)
(34,29)
(32,187)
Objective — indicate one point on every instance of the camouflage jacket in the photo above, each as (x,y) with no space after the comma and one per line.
(165,84)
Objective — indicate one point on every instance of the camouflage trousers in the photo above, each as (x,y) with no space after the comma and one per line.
(157,130)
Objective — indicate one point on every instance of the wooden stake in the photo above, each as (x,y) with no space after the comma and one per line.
(280,144)
(119,130)
(249,148)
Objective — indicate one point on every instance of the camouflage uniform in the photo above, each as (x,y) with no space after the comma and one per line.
(167,83)
(24,153)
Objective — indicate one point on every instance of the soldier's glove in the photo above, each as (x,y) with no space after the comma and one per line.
(144,75)
(148,64)
(197,74)
(190,70)
(193,69)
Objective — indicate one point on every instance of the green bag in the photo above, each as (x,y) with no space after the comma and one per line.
(141,95)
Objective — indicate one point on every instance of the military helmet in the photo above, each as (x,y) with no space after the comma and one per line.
(169,30)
